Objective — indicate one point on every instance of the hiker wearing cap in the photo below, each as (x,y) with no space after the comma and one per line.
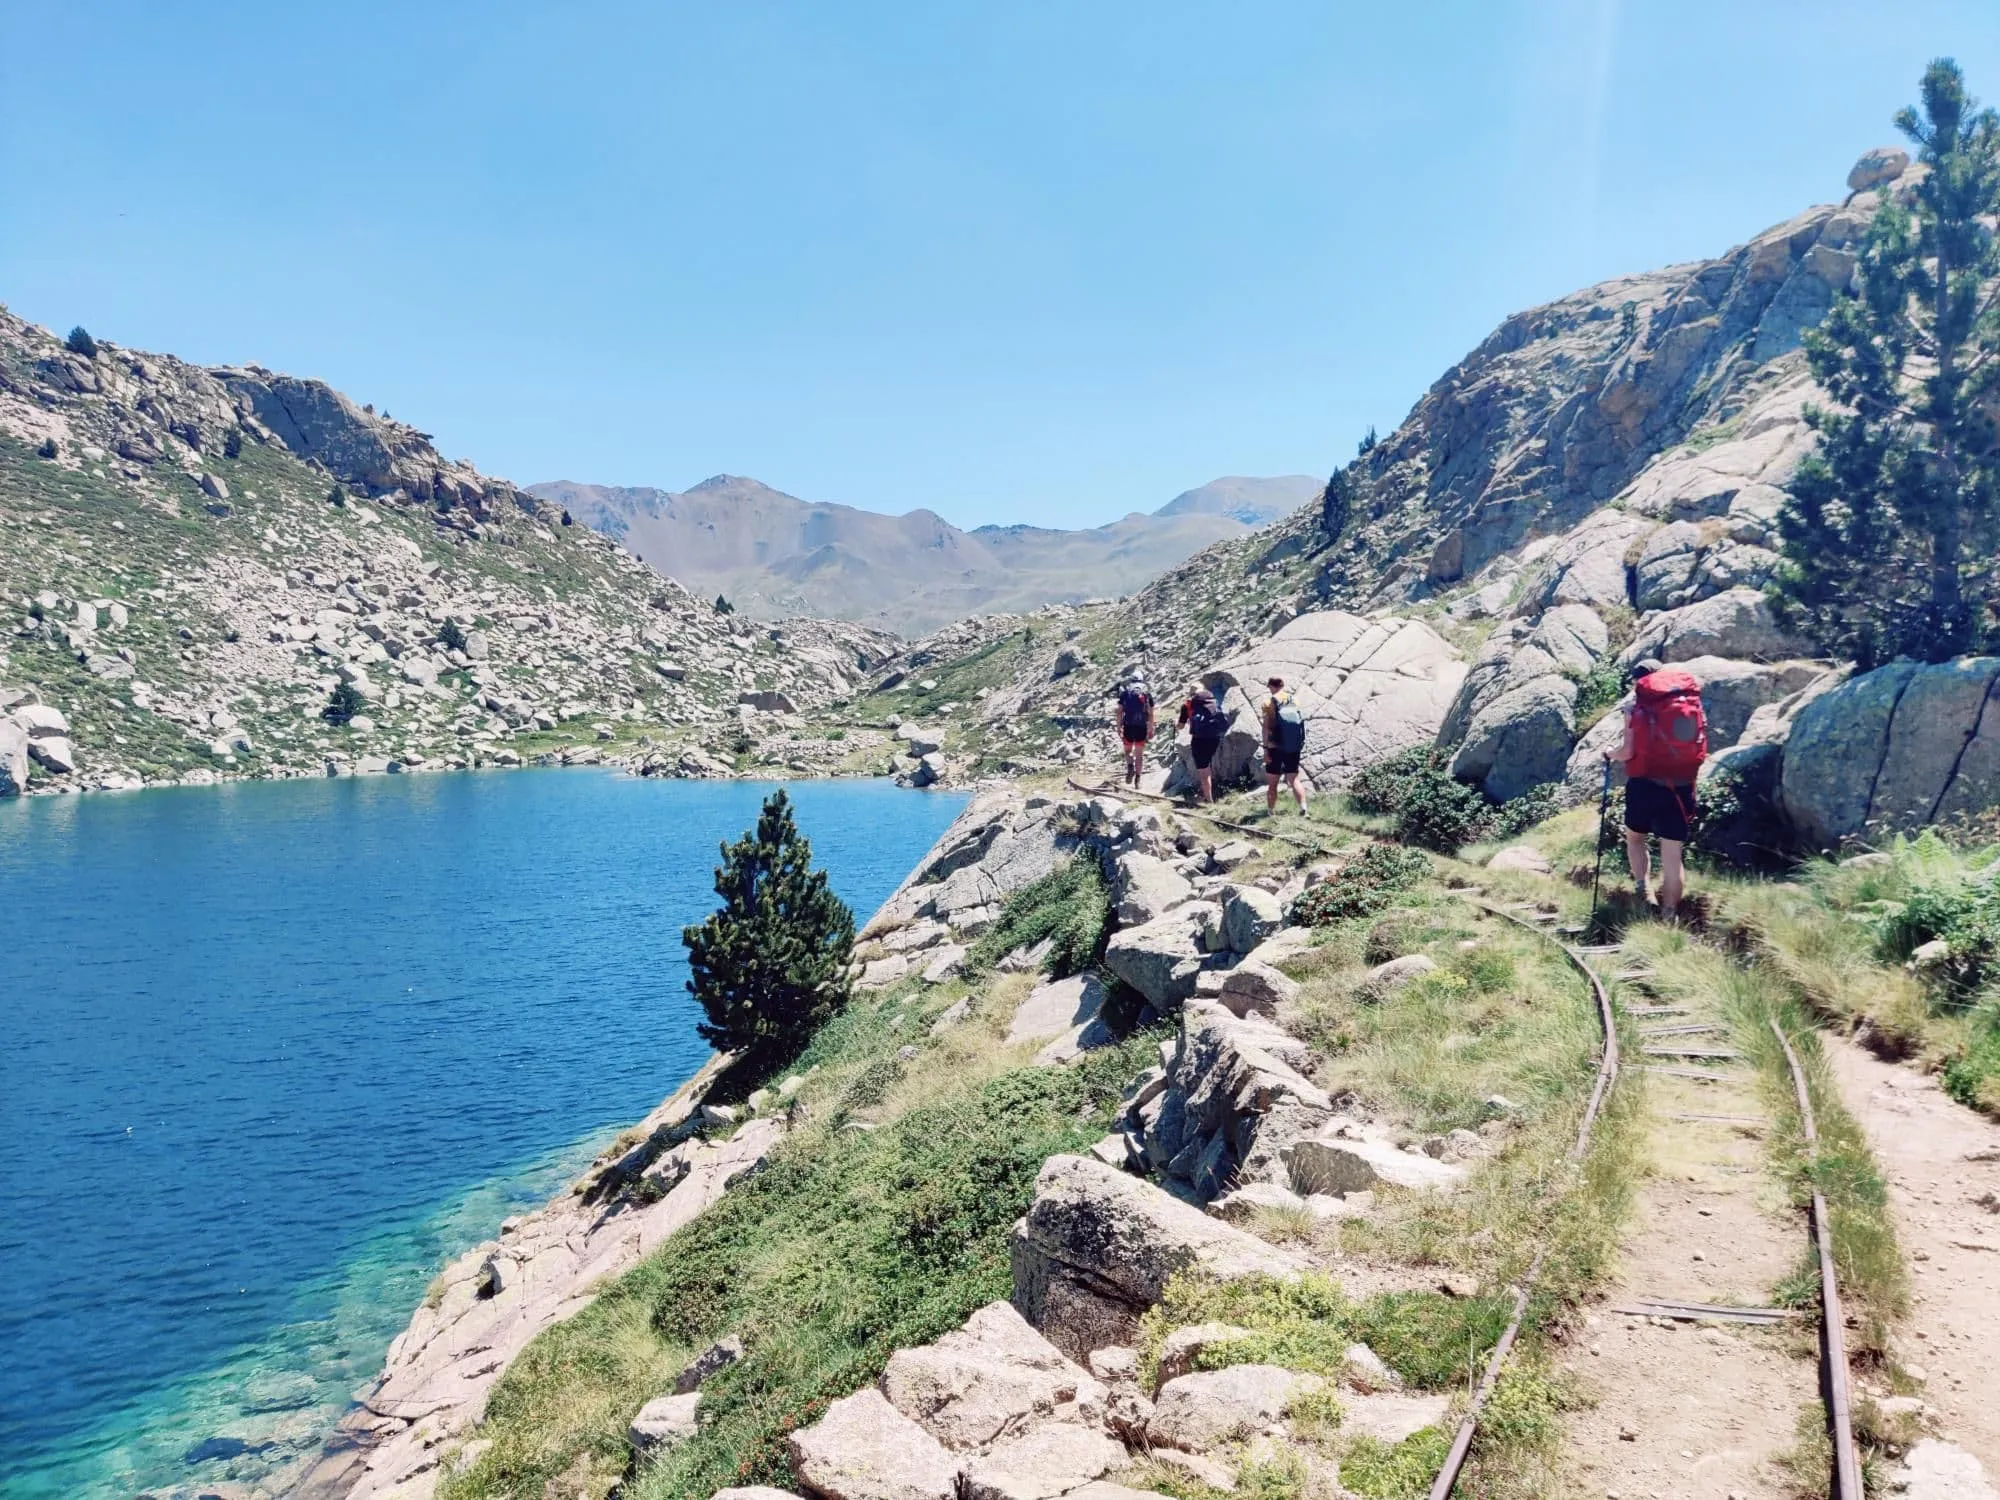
(1284,743)
(1205,723)
(1665,742)
(1135,725)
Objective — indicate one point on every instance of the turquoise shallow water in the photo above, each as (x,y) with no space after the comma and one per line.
(270,1053)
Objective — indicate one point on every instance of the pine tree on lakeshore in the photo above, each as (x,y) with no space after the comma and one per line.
(770,964)
(1888,529)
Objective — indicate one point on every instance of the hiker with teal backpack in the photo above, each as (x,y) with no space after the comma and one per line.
(1284,743)
(1666,740)
(1135,725)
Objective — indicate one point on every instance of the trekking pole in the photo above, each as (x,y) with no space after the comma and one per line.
(1603,813)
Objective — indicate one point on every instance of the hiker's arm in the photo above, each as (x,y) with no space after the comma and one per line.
(1624,751)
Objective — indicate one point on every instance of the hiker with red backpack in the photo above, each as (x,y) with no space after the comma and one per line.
(1135,725)
(1666,740)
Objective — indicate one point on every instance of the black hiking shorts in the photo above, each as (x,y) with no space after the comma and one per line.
(1654,807)
(1201,752)
(1279,762)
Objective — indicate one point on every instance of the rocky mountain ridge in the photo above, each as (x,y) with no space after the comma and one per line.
(1597,482)
(774,555)
(195,558)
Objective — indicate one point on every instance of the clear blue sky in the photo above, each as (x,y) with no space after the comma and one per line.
(1016,261)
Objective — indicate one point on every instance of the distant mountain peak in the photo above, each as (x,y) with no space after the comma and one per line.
(774,554)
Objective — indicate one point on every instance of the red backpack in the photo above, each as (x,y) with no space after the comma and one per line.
(1669,730)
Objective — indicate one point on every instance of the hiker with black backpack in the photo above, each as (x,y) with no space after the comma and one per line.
(1284,743)
(1666,740)
(1135,725)
(1206,724)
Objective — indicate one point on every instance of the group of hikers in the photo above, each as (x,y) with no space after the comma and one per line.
(1664,743)
(1202,717)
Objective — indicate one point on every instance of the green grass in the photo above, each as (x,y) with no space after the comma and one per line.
(849,1245)
(1427,1338)
(1402,1471)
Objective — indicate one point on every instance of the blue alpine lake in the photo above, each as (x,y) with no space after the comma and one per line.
(270,1053)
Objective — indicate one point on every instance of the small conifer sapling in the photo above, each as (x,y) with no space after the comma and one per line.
(770,963)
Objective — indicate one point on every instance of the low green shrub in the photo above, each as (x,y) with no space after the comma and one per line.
(1536,805)
(1973,1077)
(1384,786)
(1363,888)
(1071,904)
(1435,810)
(1402,1471)
(1597,690)
(1939,900)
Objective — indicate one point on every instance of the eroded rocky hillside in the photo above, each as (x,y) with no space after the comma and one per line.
(193,559)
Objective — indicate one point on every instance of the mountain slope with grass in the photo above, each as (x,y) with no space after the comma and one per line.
(220,572)
(775,555)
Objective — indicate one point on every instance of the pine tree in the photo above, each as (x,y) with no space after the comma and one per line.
(80,342)
(343,703)
(770,965)
(1336,505)
(1888,529)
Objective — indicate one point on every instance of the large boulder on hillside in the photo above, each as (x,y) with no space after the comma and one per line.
(991,1379)
(1162,958)
(1882,164)
(1146,888)
(1233,1101)
(1737,623)
(1367,688)
(999,843)
(864,1449)
(1249,916)
(1054,1460)
(1892,750)
(1209,1408)
(1587,566)
(1055,1007)
(1521,739)
(1098,1247)
(1565,642)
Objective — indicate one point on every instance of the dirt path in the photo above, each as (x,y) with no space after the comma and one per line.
(1684,1410)
(1941,1159)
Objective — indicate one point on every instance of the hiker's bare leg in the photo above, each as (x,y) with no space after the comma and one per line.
(1670,876)
(1206,777)
(1271,792)
(1298,792)
(1640,859)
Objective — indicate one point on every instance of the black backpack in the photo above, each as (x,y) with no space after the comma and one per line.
(1206,721)
(1133,707)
